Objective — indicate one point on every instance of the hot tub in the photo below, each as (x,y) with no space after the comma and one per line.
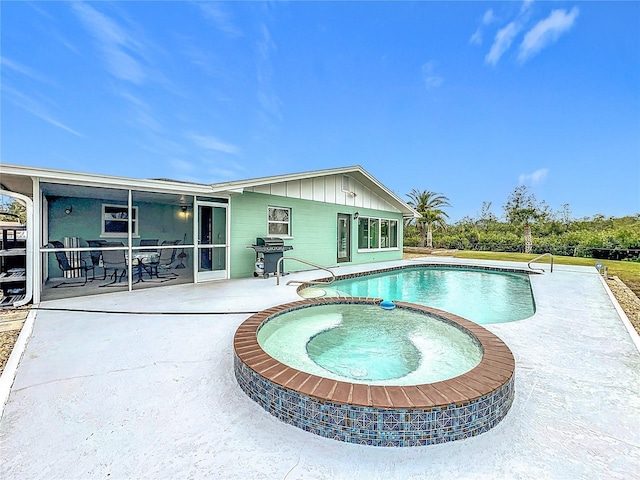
(358,408)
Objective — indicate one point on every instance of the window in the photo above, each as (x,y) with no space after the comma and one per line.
(388,234)
(279,221)
(393,234)
(363,233)
(377,233)
(115,220)
(384,233)
(374,233)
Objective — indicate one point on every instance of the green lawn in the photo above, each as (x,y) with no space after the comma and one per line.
(628,272)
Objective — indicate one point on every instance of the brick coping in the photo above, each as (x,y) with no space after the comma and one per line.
(495,369)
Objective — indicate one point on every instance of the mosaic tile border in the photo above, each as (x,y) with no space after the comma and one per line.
(398,416)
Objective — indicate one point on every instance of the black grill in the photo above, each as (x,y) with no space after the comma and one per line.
(269,250)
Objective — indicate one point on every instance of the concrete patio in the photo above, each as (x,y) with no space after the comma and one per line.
(151,393)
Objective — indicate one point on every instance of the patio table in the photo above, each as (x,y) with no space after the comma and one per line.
(140,260)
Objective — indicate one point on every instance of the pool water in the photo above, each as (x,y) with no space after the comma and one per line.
(482,296)
(365,343)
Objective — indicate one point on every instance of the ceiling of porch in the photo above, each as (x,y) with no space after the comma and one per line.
(113,194)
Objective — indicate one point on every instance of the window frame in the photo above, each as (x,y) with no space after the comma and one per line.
(124,209)
(365,245)
(279,222)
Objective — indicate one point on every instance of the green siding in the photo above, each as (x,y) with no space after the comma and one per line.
(313,228)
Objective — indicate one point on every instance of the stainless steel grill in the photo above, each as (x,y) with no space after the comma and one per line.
(268,251)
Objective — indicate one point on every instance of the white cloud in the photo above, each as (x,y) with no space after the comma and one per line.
(140,114)
(24,70)
(35,108)
(203,59)
(146,120)
(56,123)
(270,103)
(476,38)
(212,143)
(131,98)
(502,42)
(535,177)
(223,174)
(267,96)
(546,32)
(526,5)
(206,170)
(124,66)
(431,79)
(117,46)
(182,166)
(218,16)
(487,18)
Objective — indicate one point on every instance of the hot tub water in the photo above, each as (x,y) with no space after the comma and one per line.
(366,343)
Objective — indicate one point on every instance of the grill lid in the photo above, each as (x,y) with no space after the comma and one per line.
(270,241)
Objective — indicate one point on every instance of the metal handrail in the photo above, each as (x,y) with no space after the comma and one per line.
(539,257)
(280,260)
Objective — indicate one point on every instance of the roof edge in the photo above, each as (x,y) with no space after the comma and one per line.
(101,179)
(232,187)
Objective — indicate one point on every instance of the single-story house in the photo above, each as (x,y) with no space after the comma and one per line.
(181,232)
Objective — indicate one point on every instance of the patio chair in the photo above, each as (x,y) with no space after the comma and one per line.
(114,260)
(79,266)
(149,242)
(166,258)
(96,255)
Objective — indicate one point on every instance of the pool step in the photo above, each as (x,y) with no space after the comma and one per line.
(320,292)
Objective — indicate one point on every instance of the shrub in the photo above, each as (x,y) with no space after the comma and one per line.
(412,241)
(576,238)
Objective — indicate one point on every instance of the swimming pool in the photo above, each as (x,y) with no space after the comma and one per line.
(479,294)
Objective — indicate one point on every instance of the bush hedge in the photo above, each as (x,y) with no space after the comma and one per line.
(610,238)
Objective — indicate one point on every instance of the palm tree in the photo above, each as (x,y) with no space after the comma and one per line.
(429,205)
(522,209)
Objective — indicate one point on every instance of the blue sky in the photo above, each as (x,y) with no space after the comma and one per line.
(469,99)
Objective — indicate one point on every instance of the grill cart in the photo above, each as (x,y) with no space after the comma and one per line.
(268,251)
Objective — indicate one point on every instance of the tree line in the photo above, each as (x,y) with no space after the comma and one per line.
(527,225)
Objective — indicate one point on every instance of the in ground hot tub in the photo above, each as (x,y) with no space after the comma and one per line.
(444,378)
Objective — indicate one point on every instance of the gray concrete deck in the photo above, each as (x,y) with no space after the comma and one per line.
(154,396)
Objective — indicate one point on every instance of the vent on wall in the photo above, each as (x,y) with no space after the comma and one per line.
(346,186)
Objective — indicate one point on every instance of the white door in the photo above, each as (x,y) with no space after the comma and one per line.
(211,255)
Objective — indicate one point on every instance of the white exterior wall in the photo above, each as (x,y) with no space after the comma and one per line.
(328,190)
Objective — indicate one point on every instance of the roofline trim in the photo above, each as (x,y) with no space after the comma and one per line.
(57,176)
(229,188)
